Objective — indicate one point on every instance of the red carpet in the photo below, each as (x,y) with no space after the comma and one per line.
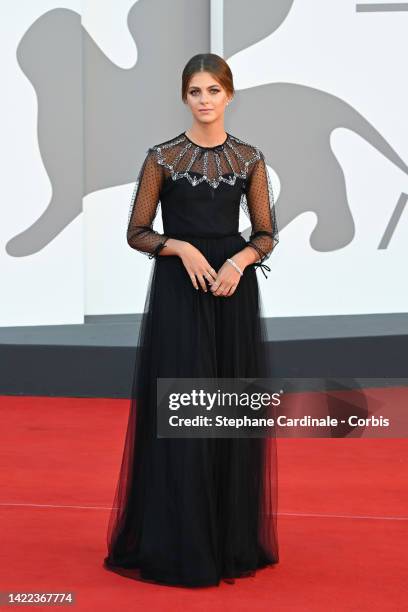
(343,516)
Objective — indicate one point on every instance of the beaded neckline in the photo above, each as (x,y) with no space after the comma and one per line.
(222,163)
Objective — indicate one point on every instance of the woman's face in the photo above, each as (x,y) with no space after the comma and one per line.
(204,92)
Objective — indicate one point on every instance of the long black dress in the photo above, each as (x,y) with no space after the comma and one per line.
(193,511)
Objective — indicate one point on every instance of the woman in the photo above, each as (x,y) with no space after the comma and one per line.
(193,511)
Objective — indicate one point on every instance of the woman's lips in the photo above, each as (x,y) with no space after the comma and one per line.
(205,110)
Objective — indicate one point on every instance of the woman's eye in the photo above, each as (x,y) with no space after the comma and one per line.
(212,91)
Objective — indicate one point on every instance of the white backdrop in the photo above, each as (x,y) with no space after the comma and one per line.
(55,275)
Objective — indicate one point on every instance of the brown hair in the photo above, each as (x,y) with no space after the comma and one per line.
(207,62)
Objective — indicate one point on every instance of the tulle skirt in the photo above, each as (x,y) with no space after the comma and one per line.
(194,511)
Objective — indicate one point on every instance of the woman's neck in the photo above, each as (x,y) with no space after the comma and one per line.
(209,136)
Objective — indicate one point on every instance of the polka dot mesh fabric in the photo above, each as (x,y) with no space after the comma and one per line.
(182,159)
(143,210)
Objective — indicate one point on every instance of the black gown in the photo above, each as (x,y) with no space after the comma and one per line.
(195,511)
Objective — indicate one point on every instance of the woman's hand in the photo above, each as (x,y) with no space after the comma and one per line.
(227,280)
(196,265)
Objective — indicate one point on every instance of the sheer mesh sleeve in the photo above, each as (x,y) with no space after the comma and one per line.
(258,203)
(143,209)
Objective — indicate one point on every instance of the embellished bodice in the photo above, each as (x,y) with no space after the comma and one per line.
(226,162)
(200,190)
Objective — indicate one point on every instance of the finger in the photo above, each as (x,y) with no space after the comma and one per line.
(201,280)
(210,279)
(212,273)
(232,290)
(193,280)
(218,288)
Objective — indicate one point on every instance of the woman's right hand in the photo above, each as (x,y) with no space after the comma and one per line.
(196,265)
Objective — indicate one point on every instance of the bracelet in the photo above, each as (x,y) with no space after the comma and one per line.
(235,266)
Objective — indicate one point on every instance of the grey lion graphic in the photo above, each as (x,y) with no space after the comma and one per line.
(96,120)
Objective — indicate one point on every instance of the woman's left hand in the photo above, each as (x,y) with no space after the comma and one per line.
(227,280)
